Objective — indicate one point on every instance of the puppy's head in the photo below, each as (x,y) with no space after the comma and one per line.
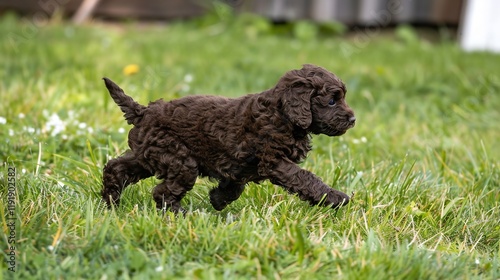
(314,99)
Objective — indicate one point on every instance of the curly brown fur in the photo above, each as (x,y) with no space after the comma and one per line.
(235,141)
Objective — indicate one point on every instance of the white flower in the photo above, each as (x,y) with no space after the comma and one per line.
(29,129)
(50,247)
(188,78)
(90,130)
(21,115)
(11,132)
(359,141)
(55,124)
(159,269)
(82,125)
(3,120)
(121,130)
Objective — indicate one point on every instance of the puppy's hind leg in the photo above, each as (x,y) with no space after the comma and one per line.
(120,172)
(179,180)
(227,192)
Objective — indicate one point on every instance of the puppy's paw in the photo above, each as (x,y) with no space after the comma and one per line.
(217,200)
(111,198)
(337,199)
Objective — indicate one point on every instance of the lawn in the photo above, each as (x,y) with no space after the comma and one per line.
(422,160)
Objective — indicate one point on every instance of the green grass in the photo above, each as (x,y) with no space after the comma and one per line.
(423,159)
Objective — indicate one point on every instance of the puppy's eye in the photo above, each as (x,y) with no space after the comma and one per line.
(331,102)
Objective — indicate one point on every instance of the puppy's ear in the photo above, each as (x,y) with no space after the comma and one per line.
(296,97)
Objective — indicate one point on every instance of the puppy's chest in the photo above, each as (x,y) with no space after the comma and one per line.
(295,151)
(298,154)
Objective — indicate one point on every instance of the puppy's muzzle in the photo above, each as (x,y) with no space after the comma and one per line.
(352,121)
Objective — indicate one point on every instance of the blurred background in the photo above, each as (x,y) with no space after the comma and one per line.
(357,12)
(473,21)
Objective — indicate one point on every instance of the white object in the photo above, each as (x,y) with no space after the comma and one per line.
(480,26)
(85,11)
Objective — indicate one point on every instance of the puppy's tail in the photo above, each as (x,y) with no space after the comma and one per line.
(132,110)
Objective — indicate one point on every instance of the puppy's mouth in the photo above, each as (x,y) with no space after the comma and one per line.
(334,131)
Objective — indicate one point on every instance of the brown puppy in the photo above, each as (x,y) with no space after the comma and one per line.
(235,141)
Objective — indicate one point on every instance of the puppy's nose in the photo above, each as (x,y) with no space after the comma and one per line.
(352,119)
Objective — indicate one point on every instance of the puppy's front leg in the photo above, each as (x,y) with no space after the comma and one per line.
(308,186)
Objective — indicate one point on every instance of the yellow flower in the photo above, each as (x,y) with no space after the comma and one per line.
(131,69)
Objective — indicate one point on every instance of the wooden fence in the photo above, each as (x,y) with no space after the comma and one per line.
(351,12)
